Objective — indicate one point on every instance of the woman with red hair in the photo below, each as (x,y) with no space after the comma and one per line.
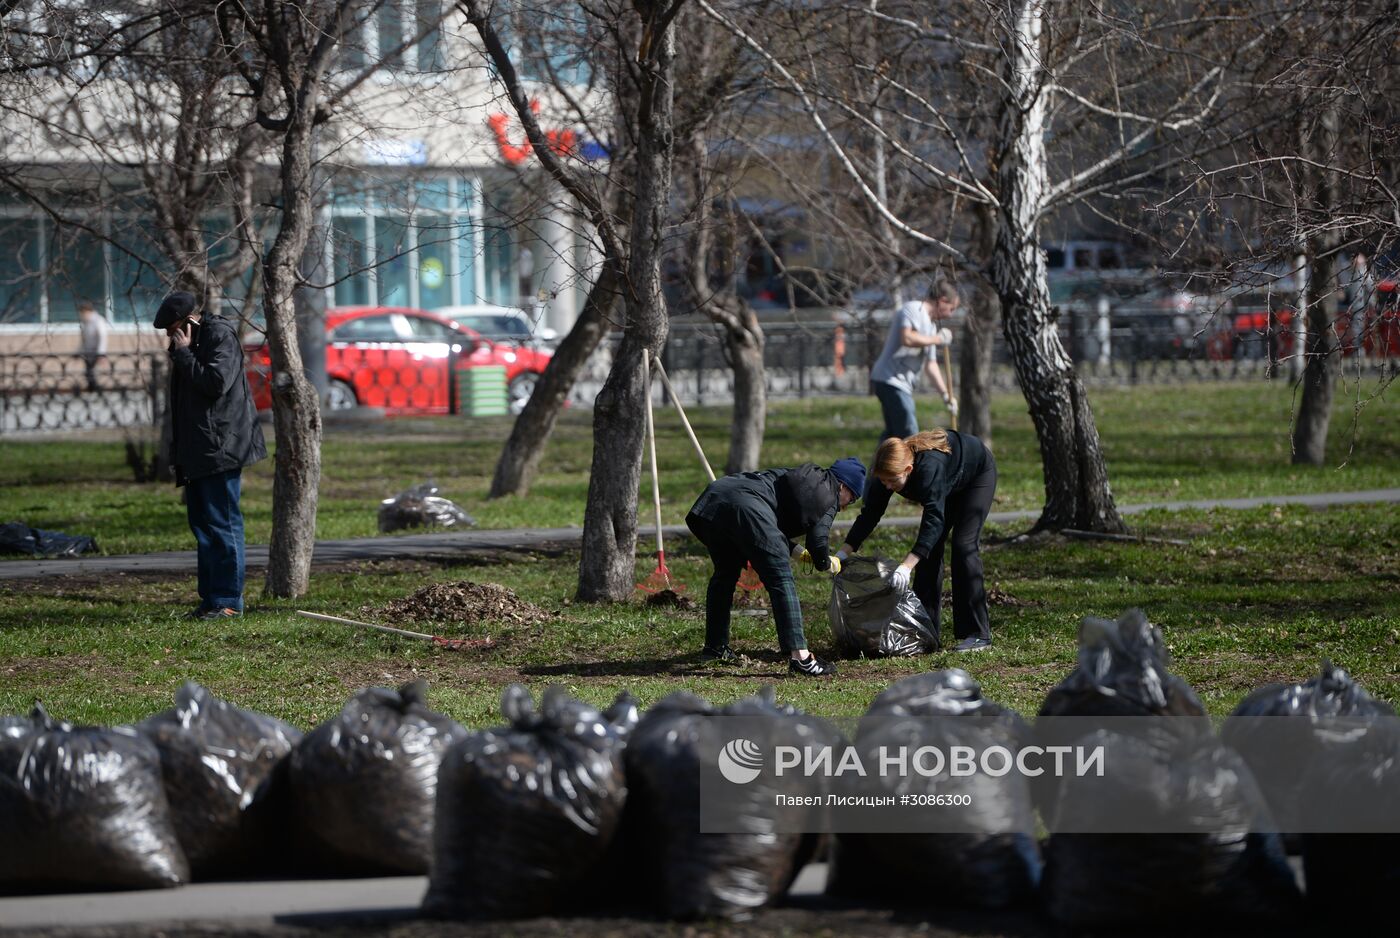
(954,477)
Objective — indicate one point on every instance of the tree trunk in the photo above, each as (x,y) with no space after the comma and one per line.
(1320,367)
(1077,493)
(296,410)
(520,458)
(721,304)
(607,567)
(975,355)
(743,343)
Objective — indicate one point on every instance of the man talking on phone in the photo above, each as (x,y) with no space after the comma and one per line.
(215,434)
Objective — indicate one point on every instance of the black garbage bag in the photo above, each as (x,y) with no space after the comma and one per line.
(681,872)
(83,808)
(1329,711)
(1202,854)
(421,506)
(869,617)
(218,763)
(982,855)
(1353,871)
(17,538)
(363,784)
(1121,672)
(526,813)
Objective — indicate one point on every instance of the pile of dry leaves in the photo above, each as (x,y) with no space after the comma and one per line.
(462,601)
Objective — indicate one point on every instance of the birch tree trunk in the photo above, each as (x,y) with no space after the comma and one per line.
(607,567)
(1077,493)
(1321,363)
(296,409)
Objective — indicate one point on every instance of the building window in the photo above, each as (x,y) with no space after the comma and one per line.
(413,244)
(398,34)
(21,278)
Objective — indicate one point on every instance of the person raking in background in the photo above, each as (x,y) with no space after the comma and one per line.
(915,332)
(754,517)
(215,434)
(953,476)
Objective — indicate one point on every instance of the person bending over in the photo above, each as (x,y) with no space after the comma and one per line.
(953,476)
(754,517)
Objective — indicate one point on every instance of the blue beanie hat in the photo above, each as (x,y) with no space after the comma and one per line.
(850,472)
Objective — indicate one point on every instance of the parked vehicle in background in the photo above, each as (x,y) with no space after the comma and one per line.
(403,360)
(1257,324)
(503,324)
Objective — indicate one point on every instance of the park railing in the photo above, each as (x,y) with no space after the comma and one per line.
(59,392)
(809,359)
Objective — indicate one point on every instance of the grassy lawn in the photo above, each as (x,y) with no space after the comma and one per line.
(1208,441)
(1257,596)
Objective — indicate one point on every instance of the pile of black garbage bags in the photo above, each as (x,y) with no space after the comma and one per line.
(570,809)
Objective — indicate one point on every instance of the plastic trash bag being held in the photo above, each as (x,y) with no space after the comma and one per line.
(870,617)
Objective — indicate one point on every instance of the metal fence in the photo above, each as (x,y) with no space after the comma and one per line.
(816,358)
(62,392)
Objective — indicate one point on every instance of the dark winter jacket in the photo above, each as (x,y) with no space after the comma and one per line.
(802,502)
(212,415)
(936,476)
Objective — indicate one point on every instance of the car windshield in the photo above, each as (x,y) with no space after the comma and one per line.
(366,329)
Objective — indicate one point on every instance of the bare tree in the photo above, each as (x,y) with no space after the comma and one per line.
(1056,69)
(647,32)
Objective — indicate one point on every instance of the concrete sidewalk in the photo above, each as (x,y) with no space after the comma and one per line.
(253,903)
(449,544)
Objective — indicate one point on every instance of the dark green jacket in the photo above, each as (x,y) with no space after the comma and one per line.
(936,476)
(214,421)
(800,502)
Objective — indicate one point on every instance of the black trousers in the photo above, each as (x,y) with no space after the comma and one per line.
(963,517)
(739,537)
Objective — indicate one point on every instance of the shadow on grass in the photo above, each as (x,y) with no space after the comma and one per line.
(760,664)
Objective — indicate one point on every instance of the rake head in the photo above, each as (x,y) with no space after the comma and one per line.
(661,578)
(749,580)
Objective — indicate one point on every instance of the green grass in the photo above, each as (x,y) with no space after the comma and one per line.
(1200,441)
(1258,595)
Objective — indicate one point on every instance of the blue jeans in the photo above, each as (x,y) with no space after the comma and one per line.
(898,408)
(212,505)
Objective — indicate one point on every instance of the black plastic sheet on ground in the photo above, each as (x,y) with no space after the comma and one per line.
(869,617)
(18,538)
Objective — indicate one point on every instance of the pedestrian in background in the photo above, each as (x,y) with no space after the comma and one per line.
(954,477)
(92,332)
(215,434)
(753,517)
(909,348)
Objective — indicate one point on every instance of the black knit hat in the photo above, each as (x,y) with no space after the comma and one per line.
(174,308)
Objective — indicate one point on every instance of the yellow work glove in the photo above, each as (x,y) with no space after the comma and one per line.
(835,567)
(800,555)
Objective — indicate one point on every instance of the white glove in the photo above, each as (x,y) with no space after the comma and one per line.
(899,579)
(952,403)
(945,336)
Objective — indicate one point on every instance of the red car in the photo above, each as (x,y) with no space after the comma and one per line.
(399,358)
